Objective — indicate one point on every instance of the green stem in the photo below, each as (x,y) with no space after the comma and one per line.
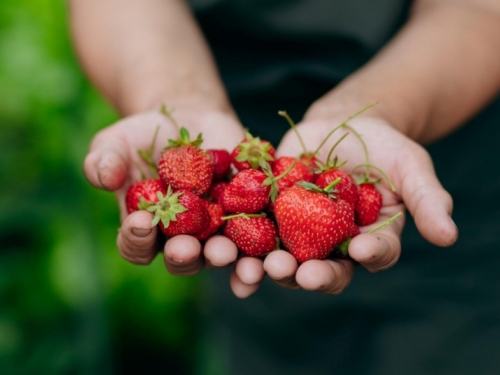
(168,114)
(333,148)
(294,128)
(386,177)
(385,223)
(342,124)
(243,215)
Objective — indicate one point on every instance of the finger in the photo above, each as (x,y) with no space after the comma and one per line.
(281,266)
(108,162)
(429,204)
(137,240)
(380,250)
(219,251)
(250,270)
(239,288)
(327,276)
(182,255)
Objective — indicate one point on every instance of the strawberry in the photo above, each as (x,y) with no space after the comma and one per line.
(346,188)
(254,235)
(369,204)
(246,193)
(251,190)
(183,165)
(309,160)
(216,213)
(216,190)
(300,172)
(250,152)
(181,212)
(311,223)
(143,194)
(222,163)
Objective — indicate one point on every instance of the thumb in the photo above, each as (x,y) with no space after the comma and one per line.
(428,202)
(107,164)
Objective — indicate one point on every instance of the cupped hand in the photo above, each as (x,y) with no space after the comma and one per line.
(417,189)
(112,164)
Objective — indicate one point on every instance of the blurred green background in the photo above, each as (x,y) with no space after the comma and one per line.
(68,303)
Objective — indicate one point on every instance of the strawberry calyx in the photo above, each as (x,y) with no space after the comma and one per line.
(328,190)
(167,208)
(365,177)
(254,150)
(330,164)
(185,140)
(271,179)
(243,215)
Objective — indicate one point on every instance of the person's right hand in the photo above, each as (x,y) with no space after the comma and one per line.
(111,164)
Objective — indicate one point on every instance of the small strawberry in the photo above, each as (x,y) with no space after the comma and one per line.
(216,213)
(369,204)
(143,194)
(216,190)
(254,235)
(250,152)
(300,172)
(183,165)
(251,190)
(181,212)
(346,189)
(222,163)
(311,223)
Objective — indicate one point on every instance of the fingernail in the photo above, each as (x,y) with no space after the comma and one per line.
(141,232)
(455,225)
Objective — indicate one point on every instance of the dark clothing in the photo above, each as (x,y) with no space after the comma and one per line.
(438,310)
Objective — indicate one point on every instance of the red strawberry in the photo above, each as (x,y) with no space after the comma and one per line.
(309,160)
(181,212)
(246,193)
(250,152)
(311,223)
(184,165)
(254,235)
(299,172)
(369,204)
(222,163)
(143,194)
(216,213)
(345,189)
(342,250)
(216,190)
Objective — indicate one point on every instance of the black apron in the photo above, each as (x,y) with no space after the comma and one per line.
(438,310)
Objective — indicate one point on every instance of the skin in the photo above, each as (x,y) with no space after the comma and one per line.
(439,70)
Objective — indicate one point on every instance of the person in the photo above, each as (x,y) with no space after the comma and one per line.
(431,64)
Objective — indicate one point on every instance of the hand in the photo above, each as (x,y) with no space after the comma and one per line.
(111,165)
(417,188)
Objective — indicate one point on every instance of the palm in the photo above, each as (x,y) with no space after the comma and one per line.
(416,188)
(113,163)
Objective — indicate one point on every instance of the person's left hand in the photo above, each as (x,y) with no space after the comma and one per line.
(417,188)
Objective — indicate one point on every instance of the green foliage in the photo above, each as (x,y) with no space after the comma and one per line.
(68,302)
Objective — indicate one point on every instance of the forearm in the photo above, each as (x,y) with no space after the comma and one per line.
(141,54)
(441,68)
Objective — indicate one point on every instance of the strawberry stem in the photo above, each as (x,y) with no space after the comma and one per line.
(147,155)
(243,215)
(168,114)
(271,180)
(333,148)
(343,124)
(385,223)
(294,128)
(386,177)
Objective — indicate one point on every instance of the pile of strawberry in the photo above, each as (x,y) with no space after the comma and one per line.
(260,202)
